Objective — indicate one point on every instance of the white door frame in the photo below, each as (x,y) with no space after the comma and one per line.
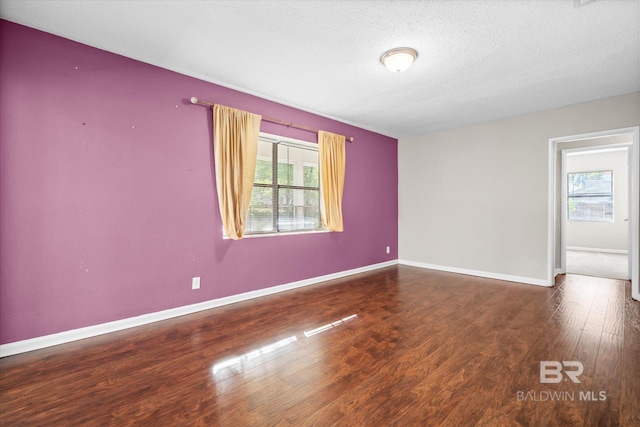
(634,203)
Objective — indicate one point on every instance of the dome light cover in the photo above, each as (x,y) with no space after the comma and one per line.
(398,59)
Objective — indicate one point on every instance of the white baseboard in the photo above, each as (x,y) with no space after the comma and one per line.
(489,275)
(607,251)
(558,271)
(31,344)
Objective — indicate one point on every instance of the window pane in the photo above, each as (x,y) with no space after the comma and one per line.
(586,183)
(264,163)
(298,210)
(590,196)
(260,217)
(312,209)
(286,214)
(311,177)
(592,208)
(292,164)
(285,169)
(285,173)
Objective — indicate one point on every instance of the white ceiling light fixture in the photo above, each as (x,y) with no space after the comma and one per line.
(399,58)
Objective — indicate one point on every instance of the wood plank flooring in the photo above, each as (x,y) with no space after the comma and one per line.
(397,346)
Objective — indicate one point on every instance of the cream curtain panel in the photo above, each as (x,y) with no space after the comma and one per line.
(235,149)
(332,167)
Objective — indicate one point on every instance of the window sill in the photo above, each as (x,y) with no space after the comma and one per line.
(286,233)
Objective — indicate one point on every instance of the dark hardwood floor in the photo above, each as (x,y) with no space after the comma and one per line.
(397,346)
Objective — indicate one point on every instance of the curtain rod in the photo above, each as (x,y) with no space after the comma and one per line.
(195,100)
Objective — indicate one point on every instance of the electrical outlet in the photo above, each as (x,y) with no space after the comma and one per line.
(388,249)
(195,283)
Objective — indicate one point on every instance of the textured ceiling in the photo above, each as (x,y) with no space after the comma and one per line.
(478,60)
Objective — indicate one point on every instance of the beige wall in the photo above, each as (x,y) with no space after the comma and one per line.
(476,197)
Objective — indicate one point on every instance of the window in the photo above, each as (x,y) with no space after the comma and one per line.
(286,191)
(590,196)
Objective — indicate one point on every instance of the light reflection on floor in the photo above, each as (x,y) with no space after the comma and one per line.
(238,361)
(329,326)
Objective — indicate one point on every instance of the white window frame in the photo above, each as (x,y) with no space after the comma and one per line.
(277,139)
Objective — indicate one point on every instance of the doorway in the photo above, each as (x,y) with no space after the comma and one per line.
(628,139)
(595,210)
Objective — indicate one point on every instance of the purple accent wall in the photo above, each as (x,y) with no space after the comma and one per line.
(107,195)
